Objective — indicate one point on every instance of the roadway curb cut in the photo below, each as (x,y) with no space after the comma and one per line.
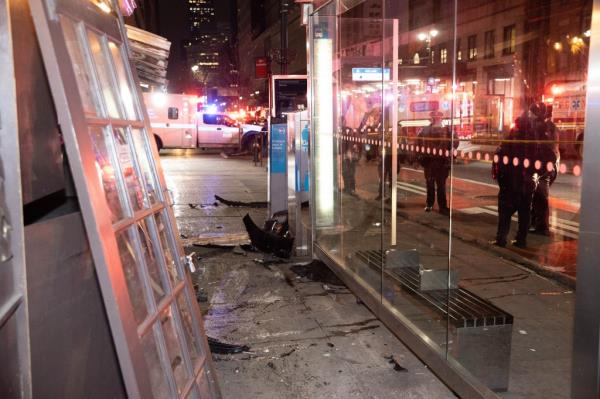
(507,254)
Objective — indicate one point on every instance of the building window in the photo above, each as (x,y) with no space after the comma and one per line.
(432,56)
(472,47)
(444,56)
(510,40)
(458,50)
(488,45)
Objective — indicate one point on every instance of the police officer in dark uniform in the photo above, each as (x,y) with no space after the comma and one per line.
(350,158)
(547,151)
(516,182)
(436,164)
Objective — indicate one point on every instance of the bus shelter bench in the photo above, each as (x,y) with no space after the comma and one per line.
(481,332)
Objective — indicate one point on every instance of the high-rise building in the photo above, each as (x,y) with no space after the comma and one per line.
(207,48)
(202,18)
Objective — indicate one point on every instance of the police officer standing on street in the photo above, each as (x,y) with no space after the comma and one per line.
(547,151)
(515,180)
(436,161)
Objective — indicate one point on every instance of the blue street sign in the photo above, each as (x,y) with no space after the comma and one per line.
(278,148)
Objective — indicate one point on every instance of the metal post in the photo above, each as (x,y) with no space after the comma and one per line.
(284,37)
(309,108)
(586,333)
(394,205)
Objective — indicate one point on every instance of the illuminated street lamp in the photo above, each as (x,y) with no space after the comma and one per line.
(195,68)
(426,37)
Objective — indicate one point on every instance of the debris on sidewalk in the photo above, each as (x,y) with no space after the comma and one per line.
(222,348)
(317,271)
(202,206)
(275,238)
(201,295)
(240,204)
(218,239)
(397,366)
(268,260)
(238,250)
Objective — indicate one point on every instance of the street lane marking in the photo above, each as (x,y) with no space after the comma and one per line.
(559,221)
(475,210)
(560,226)
(574,206)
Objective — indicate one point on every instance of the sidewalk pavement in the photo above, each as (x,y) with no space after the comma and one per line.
(308,337)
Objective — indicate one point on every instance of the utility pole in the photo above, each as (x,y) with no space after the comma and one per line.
(284,36)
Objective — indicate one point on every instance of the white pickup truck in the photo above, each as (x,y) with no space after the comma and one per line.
(176,123)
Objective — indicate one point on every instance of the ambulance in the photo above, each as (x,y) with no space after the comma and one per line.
(181,121)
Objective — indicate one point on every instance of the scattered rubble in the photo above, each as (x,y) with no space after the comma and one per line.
(222,348)
(240,204)
(317,271)
(275,238)
(397,366)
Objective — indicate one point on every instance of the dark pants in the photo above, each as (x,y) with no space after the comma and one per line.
(540,209)
(387,177)
(435,178)
(349,175)
(510,202)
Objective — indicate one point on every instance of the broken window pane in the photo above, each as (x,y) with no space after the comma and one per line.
(132,183)
(187,322)
(106,172)
(132,278)
(158,379)
(174,349)
(104,75)
(82,72)
(170,254)
(152,263)
(123,82)
(141,150)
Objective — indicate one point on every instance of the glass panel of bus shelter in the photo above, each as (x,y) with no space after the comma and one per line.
(360,123)
(521,72)
(328,227)
(418,40)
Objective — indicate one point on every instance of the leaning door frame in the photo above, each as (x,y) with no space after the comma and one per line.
(85,19)
(12,239)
